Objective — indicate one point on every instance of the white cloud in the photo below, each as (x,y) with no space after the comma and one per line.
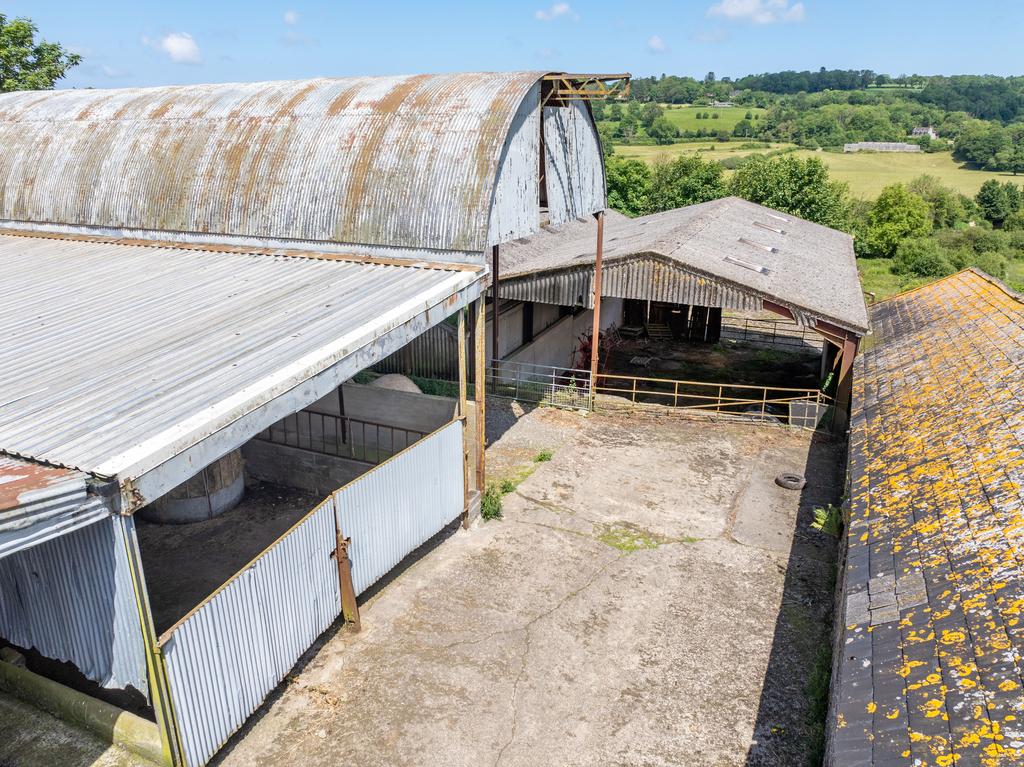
(758,11)
(656,45)
(179,46)
(558,10)
(291,18)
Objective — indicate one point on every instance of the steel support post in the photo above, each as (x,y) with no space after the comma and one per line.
(159,687)
(595,338)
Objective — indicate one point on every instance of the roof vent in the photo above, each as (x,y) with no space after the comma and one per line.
(748,265)
(783,219)
(753,244)
(770,228)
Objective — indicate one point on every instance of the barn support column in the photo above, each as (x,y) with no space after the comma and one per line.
(159,687)
(479,389)
(494,305)
(844,390)
(462,416)
(595,338)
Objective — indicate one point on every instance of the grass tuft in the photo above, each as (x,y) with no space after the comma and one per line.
(544,455)
(490,504)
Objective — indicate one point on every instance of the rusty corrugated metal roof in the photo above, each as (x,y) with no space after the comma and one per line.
(407,161)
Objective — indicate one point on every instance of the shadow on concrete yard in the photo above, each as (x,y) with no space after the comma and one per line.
(789,728)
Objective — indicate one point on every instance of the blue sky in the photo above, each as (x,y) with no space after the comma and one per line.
(134,43)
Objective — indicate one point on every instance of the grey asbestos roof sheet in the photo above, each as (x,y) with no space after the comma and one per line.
(113,354)
(773,255)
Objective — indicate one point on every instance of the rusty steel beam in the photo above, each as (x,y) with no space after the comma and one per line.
(479,390)
(595,340)
(349,605)
(844,388)
(585,87)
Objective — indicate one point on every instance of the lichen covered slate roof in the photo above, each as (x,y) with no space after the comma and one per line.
(932,633)
(729,244)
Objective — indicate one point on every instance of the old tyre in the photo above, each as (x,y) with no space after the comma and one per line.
(790,481)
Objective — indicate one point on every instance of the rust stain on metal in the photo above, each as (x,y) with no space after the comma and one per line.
(18,478)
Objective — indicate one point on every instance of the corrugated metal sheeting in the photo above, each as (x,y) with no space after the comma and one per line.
(399,506)
(253,630)
(178,343)
(641,278)
(225,657)
(517,176)
(31,493)
(407,161)
(71,598)
(573,163)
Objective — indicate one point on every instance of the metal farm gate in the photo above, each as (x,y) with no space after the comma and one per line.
(225,656)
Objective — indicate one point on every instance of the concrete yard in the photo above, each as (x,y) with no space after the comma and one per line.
(650,597)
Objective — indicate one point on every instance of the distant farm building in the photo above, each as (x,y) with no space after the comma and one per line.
(924,131)
(881,146)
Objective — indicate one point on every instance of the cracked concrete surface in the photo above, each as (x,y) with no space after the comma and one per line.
(530,641)
(650,598)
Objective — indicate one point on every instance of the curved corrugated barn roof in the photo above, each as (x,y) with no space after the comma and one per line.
(409,162)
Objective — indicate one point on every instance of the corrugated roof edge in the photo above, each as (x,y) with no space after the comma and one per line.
(244,250)
(676,264)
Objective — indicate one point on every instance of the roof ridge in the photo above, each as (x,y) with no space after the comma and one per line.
(1015,295)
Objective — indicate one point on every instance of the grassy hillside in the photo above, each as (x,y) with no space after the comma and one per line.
(867,173)
(685,117)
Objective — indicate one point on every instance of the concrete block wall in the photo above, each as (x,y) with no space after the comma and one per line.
(556,346)
(406,410)
(303,469)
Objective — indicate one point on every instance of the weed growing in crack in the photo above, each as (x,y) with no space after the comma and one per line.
(490,504)
(543,456)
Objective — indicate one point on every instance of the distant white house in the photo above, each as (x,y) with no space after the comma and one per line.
(925,131)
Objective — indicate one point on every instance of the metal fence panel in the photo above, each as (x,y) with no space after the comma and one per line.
(226,656)
(391,511)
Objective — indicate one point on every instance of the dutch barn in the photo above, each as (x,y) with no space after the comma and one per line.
(192,277)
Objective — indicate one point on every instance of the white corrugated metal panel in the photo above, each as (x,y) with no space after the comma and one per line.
(396,508)
(573,163)
(406,161)
(71,598)
(128,354)
(517,176)
(745,248)
(224,658)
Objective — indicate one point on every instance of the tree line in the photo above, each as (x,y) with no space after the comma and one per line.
(925,228)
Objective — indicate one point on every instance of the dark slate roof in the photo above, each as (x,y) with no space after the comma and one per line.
(932,637)
(801,265)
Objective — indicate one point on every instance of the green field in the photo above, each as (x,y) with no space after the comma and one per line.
(867,173)
(711,149)
(876,277)
(685,117)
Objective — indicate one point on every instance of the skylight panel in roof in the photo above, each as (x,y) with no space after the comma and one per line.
(748,265)
(769,227)
(762,246)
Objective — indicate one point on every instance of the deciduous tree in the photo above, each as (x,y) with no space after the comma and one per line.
(29,64)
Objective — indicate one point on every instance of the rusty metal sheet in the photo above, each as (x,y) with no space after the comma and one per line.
(407,161)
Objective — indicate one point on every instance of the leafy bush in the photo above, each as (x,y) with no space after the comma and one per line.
(921,257)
